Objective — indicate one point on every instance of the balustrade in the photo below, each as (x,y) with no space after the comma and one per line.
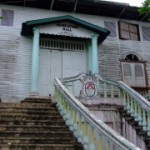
(91,132)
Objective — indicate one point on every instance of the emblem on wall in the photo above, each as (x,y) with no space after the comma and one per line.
(89,87)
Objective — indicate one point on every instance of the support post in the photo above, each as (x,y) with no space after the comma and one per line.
(94,53)
(35,62)
(89,56)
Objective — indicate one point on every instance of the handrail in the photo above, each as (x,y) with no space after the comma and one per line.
(137,97)
(79,118)
(133,103)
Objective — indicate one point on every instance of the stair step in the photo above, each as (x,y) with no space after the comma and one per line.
(37,100)
(35,133)
(29,111)
(36,140)
(34,124)
(41,147)
(31,122)
(26,106)
(32,128)
(29,117)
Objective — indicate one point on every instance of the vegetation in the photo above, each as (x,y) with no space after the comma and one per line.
(145,9)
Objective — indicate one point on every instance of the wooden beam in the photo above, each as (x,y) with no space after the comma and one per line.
(52,4)
(75,6)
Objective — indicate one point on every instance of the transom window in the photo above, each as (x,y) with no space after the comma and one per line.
(128,31)
(62,45)
(132,57)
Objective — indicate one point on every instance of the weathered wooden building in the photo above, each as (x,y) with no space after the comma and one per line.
(66,32)
(60,38)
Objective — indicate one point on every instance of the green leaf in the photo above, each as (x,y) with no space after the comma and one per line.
(145,8)
(1,17)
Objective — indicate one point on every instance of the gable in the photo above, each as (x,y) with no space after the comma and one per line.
(27,27)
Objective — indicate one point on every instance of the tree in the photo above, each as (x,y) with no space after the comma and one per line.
(145,9)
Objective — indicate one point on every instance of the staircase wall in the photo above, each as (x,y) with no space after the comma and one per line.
(107,110)
(129,132)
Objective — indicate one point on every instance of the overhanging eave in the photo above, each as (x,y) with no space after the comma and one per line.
(27,27)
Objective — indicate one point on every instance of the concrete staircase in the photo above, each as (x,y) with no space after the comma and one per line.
(138,128)
(34,124)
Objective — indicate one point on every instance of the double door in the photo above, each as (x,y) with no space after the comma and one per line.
(58,63)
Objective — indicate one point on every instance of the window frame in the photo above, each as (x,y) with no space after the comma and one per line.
(134,62)
(113,33)
(5,23)
(128,30)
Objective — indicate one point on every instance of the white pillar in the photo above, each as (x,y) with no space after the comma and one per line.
(94,53)
(35,62)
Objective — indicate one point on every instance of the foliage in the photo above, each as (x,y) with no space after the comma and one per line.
(145,8)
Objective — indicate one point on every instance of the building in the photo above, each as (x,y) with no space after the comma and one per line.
(60,38)
(108,38)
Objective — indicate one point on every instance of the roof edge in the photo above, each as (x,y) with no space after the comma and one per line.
(27,27)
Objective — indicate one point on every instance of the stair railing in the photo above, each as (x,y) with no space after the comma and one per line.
(90,131)
(133,103)
(136,105)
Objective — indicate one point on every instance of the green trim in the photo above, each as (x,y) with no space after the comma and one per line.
(27,27)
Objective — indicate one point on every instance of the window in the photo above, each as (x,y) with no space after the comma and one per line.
(128,31)
(62,44)
(8,17)
(111,26)
(146,33)
(133,71)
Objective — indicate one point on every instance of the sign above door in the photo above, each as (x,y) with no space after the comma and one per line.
(65,26)
(66,29)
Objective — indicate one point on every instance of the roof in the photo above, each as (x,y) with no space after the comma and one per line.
(93,7)
(27,27)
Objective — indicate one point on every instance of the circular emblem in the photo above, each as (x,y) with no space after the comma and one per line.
(90,89)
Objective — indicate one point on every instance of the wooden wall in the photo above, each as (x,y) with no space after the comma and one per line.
(15,51)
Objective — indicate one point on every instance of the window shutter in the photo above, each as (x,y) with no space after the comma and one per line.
(146,33)
(8,17)
(133,74)
(139,75)
(111,26)
(124,30)
(127,73)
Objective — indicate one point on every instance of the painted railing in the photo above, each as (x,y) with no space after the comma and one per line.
(91,132)
(133,103)
(136,105)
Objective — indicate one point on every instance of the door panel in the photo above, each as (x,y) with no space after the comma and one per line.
(73,64)
(55,67)
(54,63)
(44,72)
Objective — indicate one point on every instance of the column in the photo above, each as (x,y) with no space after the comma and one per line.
(35,62)
(89,56)
(94,53)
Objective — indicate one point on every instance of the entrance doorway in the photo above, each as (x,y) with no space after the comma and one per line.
(62,59)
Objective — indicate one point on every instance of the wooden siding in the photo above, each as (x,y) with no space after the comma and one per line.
(16,51)
(109,55)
